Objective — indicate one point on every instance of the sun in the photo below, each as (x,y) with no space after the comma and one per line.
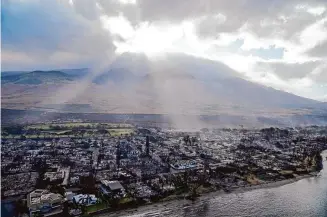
(146,37)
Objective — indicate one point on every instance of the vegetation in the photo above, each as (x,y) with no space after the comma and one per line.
(64,130)
(98,206)
(71,125)
(252,179)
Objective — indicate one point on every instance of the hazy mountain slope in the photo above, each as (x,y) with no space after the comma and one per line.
(175,84)
(117,75)
(6,73)
(225,84)
(243,92)
(75,72)
(37,77)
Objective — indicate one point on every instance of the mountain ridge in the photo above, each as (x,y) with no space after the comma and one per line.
(178,83)
(36,77)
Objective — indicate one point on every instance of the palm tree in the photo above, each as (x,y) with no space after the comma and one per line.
(83,133)
(82,206)
(38,134)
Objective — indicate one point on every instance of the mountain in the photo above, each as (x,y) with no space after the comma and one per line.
(117,75)
(244,92)
(36,77)
(6,73)
(223,83)
(175,84)
(75,72)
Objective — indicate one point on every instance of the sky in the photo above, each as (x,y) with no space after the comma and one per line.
(278,43)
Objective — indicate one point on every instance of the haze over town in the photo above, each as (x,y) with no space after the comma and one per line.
(108,105)
(281,44)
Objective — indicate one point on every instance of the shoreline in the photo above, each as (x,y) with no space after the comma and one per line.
(272,184)
(165,201)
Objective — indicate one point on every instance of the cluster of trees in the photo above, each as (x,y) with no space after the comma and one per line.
(67,127)
(60,130)
(40,166)
(13,130)
(188,181)
(87,127)
(83,132)
(189,140)
(87,183)
(313,161)
(20,208)
(271,132)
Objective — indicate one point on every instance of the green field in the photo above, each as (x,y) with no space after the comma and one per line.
(73,130)
(118,132)
(96,207)
(77,124)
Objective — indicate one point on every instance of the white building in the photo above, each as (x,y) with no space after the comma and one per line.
(85,199)
(44,202)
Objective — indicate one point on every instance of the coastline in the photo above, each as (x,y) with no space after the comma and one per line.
(164,202)
(272,184)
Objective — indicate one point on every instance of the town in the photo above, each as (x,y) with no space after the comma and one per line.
(72,169)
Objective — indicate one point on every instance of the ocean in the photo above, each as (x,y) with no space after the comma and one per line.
(304,198)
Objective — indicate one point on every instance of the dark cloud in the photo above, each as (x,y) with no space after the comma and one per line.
(237,13)
(51,34)
(288,70)
(320,50)
(43,28)
(321,75)
(87,9)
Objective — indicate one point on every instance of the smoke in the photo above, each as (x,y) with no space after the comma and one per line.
(181,96)
(167,89)
(74,91)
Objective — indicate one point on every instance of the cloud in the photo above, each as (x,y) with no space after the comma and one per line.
(30,26)
(288,70)
(51,34)
(274,42)
(320,50)
(319,75)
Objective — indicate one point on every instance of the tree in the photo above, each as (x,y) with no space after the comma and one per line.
(40,166)
(86,145)
(65,209)
(38,214)
(82,207)
(102,131)
(4,133)
(88,184)
(20,208)
(38,132)
(67,162)
(83,132)
(58,189)
(186,139)
(14,130)
(54,153)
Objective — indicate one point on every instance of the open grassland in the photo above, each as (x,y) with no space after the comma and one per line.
(48,126)
(70,130)
(118,132)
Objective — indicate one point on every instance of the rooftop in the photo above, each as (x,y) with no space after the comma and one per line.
(113,185)
(40,196)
